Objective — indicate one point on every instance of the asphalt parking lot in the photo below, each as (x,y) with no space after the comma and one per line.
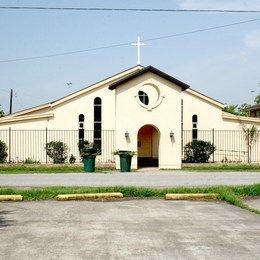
(128,229)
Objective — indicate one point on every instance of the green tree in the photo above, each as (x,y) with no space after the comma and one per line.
(231,109)
(251,135)
(243,110)
(1,112)
(257,99)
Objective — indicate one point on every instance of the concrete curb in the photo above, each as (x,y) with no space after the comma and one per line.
(191,196)
(89,196)
(11,198)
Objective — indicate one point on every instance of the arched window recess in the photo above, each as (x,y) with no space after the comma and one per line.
(98,122)
(194,127)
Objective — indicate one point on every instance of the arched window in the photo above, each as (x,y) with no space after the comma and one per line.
(194,121)
(143,97)
(81,121)
(194,127)
(98,121)
(81,126)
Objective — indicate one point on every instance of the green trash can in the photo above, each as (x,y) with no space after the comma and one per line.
(125,162)
(89,163)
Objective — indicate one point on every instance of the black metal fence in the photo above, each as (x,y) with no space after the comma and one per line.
(30,144)
(231,145)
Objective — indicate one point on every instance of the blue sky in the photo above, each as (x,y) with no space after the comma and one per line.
(223,63)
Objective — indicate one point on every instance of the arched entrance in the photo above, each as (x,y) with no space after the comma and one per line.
(148,146)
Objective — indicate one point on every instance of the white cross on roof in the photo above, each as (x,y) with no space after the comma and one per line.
(138,44)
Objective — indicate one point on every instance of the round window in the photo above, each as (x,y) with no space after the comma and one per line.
(148,96)
(143,97)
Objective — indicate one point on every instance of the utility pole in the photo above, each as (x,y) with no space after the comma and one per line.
(11,101)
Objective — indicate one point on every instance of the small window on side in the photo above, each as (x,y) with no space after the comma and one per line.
(194,127)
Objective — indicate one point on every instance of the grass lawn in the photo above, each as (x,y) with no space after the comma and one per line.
(231,194)
(221,167)
(69,168)
(45,168)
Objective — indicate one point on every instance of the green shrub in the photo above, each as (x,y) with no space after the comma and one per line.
(124,153)
(58,151)
(30,161)
(198,151)
(87,148)
(3,152)
(72,159)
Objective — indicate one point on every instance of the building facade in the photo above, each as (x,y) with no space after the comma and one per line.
(141,109)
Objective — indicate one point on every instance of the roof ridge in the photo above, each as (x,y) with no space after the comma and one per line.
(154,70)
(49,104)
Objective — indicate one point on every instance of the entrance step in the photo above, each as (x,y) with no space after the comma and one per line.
(147,162)
(148,169)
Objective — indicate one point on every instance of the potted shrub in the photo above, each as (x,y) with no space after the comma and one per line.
(88,152)
(125,159)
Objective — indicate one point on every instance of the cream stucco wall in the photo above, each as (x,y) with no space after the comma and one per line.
(35,123)
(122,111)
(210,114)
(70,110)
(65,115)
(131,116)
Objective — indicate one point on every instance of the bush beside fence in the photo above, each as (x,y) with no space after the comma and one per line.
(231,145)
(30,144)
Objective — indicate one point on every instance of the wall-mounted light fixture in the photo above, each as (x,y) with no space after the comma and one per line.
(126,134)
(171,134)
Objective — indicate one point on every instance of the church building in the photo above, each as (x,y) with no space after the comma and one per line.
(146,109)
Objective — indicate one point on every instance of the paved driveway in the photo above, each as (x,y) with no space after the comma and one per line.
(136,229)
(152,179)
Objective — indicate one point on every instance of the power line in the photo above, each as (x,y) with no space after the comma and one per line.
(4,90)
(128,43)
(126,9)
(202,30)
(66,53)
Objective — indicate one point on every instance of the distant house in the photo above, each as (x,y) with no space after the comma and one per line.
(141,109)
(255,111)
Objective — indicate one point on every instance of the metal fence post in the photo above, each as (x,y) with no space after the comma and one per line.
(10,143)
(213,142)
(182,141)
(248,146)
(231,145)
(46,141)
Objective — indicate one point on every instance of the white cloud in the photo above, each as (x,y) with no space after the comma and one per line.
(252,39)
(220,4)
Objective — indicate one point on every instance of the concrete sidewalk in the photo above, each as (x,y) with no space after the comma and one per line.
(145,179)
(253,203)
